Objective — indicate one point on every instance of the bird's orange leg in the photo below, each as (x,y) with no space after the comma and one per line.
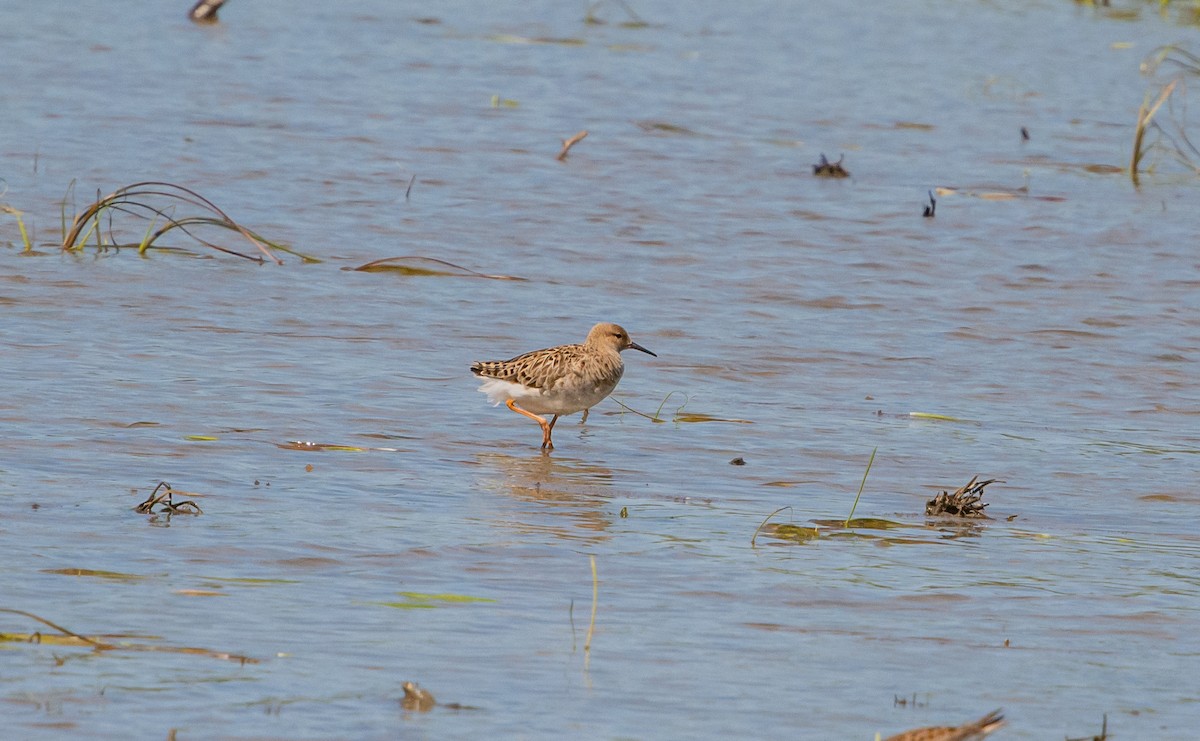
(547,443)
(546,426)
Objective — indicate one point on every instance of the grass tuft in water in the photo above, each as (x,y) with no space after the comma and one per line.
(1145,120)
(20,225)
(155,200)
(1171,134)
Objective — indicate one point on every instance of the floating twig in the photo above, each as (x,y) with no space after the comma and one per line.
(568,143)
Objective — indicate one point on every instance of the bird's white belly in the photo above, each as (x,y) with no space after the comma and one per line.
(564,398)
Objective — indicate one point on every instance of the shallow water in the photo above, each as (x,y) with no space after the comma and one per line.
(809,316)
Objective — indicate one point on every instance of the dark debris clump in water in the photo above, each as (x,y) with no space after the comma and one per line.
(827,169)
(966,501)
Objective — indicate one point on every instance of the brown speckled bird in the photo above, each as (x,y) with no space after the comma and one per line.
(416,698)
(558,380)
(966,732)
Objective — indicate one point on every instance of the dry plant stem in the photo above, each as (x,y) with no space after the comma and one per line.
(631,409)
(656,417)
(154,498)
(568,143)
(763,524)
(169,506)
(387,260)
(101,646)
(1145,116)
(587,642)
(184,223)
(20,225)
(59,628)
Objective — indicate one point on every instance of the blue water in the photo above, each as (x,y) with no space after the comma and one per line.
(1057,325)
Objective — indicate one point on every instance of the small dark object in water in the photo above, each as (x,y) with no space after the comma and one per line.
(966,732)
(897,700)
(966,501)
(827,169)
(417,698)
(205,11)
(739,461)
(931,207)
(1024,134)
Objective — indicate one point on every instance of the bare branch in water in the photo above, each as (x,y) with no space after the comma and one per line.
(568,143)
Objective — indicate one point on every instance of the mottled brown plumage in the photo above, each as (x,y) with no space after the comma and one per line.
(417,698)
(558,380)
(967,732)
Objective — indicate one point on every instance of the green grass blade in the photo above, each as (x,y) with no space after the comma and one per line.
(860,487)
